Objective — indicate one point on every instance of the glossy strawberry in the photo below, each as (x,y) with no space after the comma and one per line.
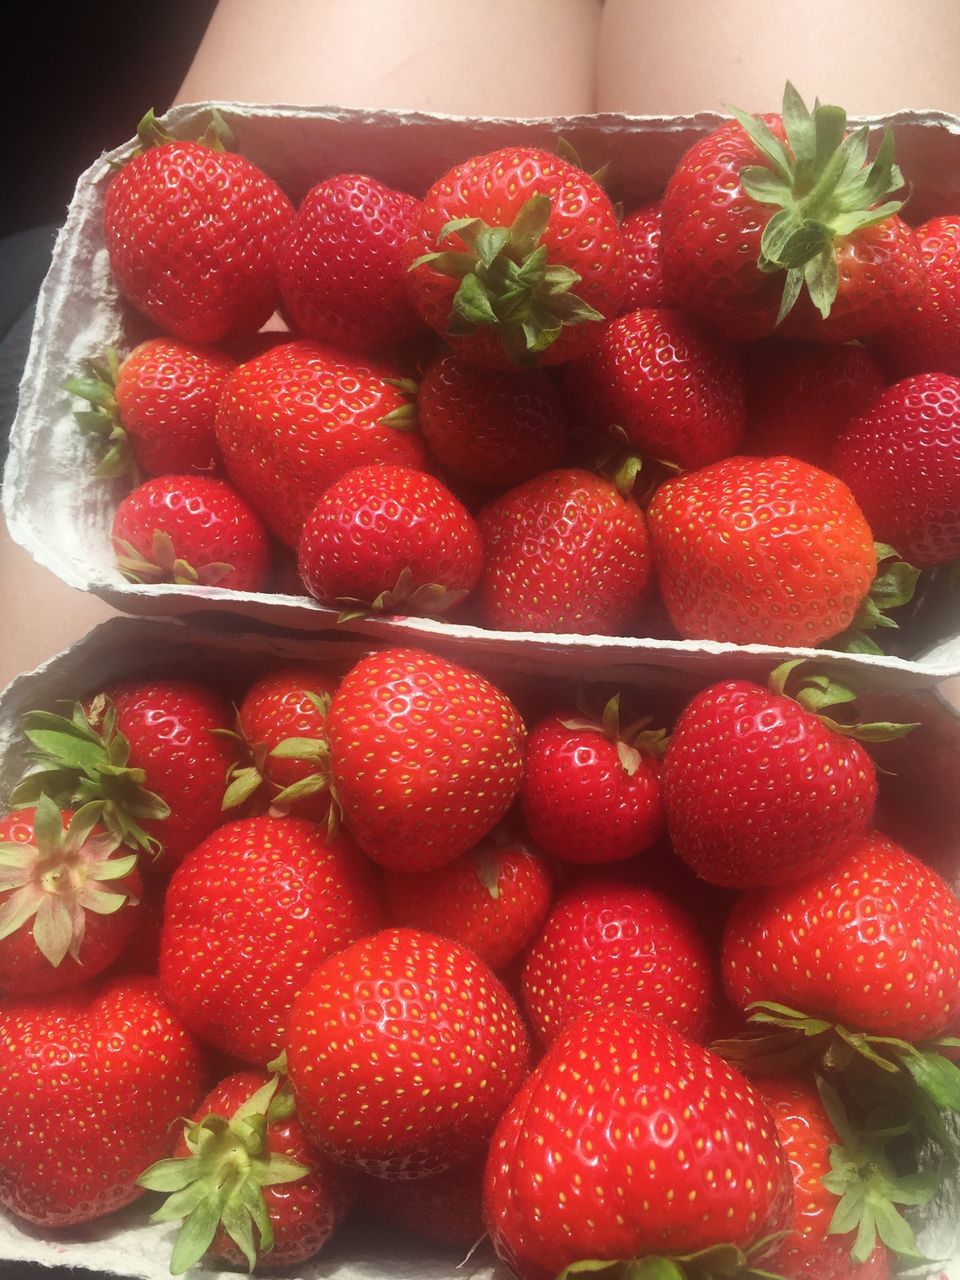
(403,1051)
(192,531)
(427,757)
(90,1082)
(248,916)
(770,551)
(640,233)
(566,553)
(515,258)
(927,340)
(673,1153)
(342,267)
(446,1209)
(295,419)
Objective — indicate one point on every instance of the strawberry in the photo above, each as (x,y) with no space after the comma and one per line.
(926,341)
(192,233)
(192,531)
(640,233)
(248,915)
(342,268)
(492,899)
(591,790)
(489,427)
(446,1209)
(62,892)
(901,459)
(565,553)
(90,1082)
(427,757)
(673,389)
(390,539)
(629,1143)
(762,209)
(245,1163)
(295,419)
(403,1051)
(769,551)
(515,258)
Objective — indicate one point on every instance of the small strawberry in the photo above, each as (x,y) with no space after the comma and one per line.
(248,915)
(192,531)
(392,540)
(298,417)
(193,232)
(427,757)
(565,553)
(927,340)
(403,1051)
(446,1209)
(90,1082)
(342,268)
(640,233)
(515,258)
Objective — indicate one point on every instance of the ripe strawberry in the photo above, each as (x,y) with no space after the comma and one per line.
(492,899)
(427,757)
(767,551)
(927,340)
(342,268)
(491,428)
(629,1143)
(515,257)
(640,233)
(901,460)
(248,915)
(295,419)
(676,391)
(446,1209)
(193,232)
(276,1184)
(90,1082)
(565,553)
(403,1051)
(193,531)
(390,539)
(59,876)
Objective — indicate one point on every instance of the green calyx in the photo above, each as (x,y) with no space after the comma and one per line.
(633,741)
(85,759)
(249,773)
(817,692)
(220,1182)
(425,601)
(101,421)
(507,282)
(822,189)
(625,468)
(151,133)
(405,417)
(721,1262)
(166,565)
(56,880)
(892,588)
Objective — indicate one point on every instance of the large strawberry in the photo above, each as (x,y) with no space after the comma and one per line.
(627,1144)
(248,915)
(403,1051)
(427,757)
(515,258)
(90,1082)
(295,419)
(927,340)
(193,232)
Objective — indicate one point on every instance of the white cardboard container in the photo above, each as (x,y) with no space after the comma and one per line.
(61,514)
(926,765)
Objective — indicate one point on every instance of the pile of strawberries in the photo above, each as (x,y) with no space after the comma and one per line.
(730,415)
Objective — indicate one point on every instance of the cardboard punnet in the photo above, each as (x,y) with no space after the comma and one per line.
(61,514)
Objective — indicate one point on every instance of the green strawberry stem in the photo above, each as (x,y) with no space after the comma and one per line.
(166,565)
(716,1263)
(892,588)
(248,774)
(632,742)
(102,420)
(816,692)
(151,133)
(403,597)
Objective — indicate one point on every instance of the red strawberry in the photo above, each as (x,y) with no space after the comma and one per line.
(927,340)
(342,264)
(192,531)
(295,419)
(640,232)
(62,893)
(427,757)
(628,1143)
(446,1209)
(90,1082)
(193,234)
(565,553)
(278,1185)
(515,258)
(901,460)
(609,945)
(488,427)
(249,914)
(676,391)
(591,791)
(393,539)
(492,899)
(769,551)
(403,1051)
